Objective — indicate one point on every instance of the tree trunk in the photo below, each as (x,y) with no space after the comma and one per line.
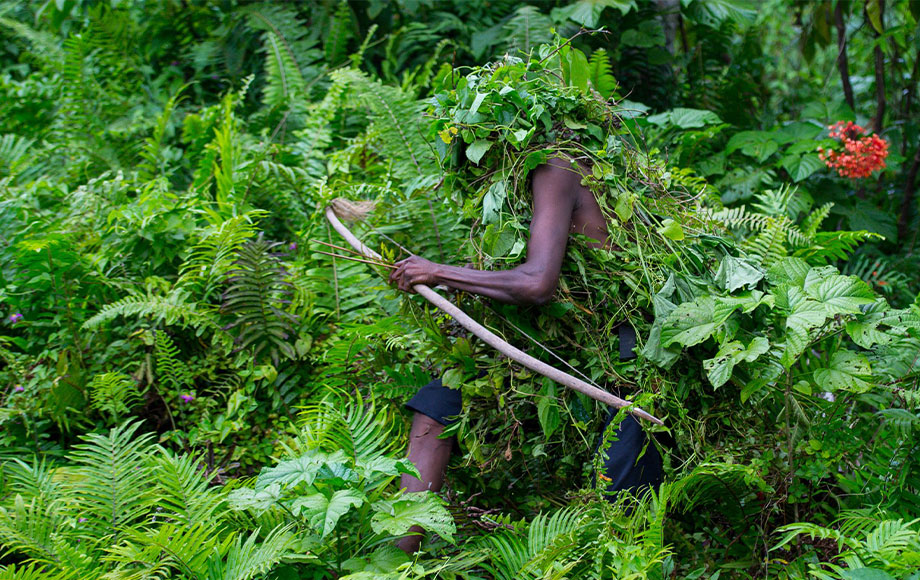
(879,71)
(843,63)
(907,201)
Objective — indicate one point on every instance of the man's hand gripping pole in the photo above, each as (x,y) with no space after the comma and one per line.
(492,339)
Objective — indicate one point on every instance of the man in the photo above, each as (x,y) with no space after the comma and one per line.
(561,206)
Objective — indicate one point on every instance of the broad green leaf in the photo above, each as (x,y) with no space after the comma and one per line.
(690,323)
(746,301)
(256,500)
(802,166)
(649,34)
(685,118)
(378,564)
(865,574)
(548,409)
(733,273)
(292,472)
(874,11)
(588,12)
(396,516)
(624,206)
(579,71)
(866,332)
(477,102)
(713,13)
(693,118)
(788,270)
(492,202)
(805,315)
(323,512)
(845,372)
(671,230)
(797,132)
(384,466)
(719,368)
(756,144)
(477,149)
(662,307)
(839,294)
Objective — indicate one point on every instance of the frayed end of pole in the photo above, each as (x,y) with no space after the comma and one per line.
(352,210)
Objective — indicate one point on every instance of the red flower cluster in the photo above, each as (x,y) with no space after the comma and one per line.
(860,156)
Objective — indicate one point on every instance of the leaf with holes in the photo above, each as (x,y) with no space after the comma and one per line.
(846,371)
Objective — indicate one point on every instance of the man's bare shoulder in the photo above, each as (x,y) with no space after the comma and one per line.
(558,171)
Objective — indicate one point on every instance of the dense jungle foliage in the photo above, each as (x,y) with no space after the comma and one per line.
(191,388)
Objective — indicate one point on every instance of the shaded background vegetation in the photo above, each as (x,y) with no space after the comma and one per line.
(188,389)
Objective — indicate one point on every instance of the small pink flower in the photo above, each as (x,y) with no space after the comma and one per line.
(293,246)
(14,318)
(81,520)
(19,388)
(187,398)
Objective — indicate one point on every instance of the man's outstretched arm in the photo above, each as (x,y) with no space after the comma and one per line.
(534,281)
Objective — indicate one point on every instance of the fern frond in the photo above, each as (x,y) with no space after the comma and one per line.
(258,291)
(548,539)
(13,154)
(284,82)
(172,371)
(114,479)
(768,245)
(30,527)
(601,73)
(114,393)
(248,559)
(828,247)
(396,119)
(527,28)
(213,255)
(339,32)
(345,422)
(167,551)
(742,218)
(33,572)
(184,490)
(170,309)
(154,163)
(814,220)
(35,481)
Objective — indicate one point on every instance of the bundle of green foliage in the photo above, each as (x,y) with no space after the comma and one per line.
(164,166)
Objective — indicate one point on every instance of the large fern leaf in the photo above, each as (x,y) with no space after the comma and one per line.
(256,297)
(397,121)
(114,479)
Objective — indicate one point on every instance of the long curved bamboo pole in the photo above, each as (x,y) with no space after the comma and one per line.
(492,339)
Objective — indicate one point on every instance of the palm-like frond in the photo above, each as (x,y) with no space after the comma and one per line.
(397,119)
(359,428)
(212,258)
(170,309)
(113,479)
(184,491)
(250,558)
(548,538)
(256,297)
(114,394)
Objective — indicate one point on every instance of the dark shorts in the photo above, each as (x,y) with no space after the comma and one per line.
(632,461)
(441,403)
